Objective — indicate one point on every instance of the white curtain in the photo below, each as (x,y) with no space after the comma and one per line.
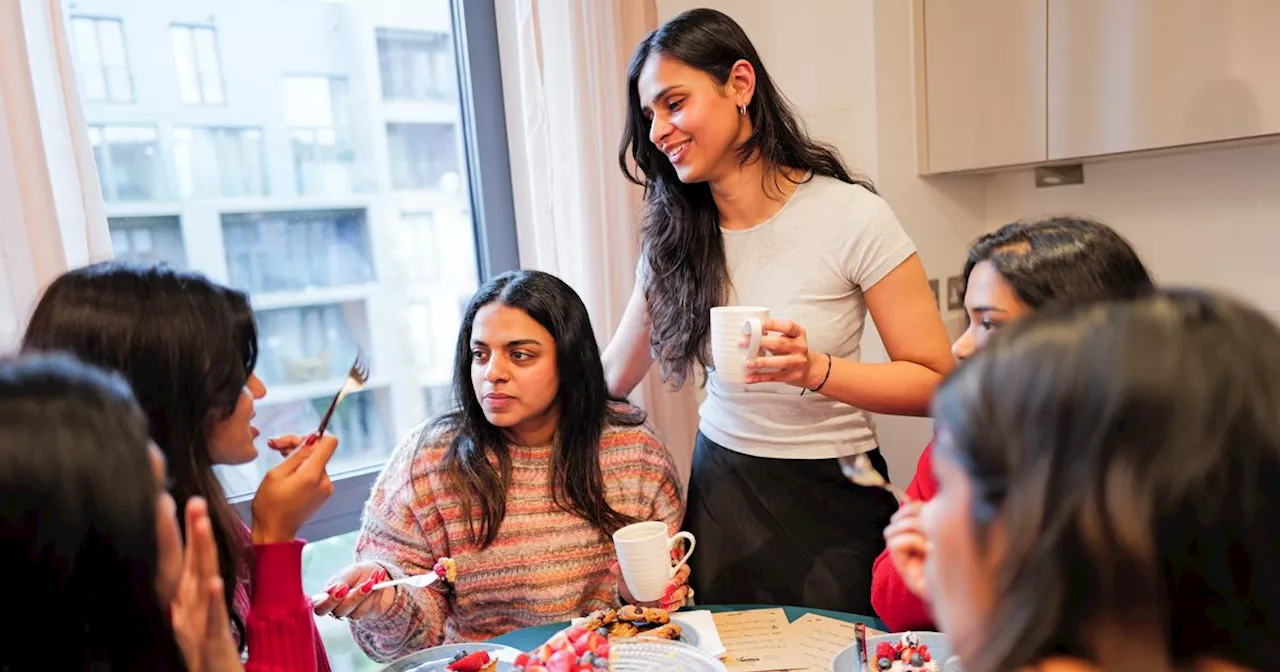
(51,213)
(564,68)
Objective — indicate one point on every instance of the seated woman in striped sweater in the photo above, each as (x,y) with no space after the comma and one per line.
(521,485)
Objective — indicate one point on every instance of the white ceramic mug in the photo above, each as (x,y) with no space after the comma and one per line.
(728,325)
(644,554)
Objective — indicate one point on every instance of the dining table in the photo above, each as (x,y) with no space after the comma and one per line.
(528,639)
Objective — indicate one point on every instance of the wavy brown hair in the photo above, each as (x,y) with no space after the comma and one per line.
(1128,451)
(686,274)
(577,483)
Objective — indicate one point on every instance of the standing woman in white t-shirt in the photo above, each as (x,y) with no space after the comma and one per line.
(744,209)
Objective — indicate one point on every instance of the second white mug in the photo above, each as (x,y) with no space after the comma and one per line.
(728,325)
(644,554)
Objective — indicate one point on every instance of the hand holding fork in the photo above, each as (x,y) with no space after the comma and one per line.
(356,379)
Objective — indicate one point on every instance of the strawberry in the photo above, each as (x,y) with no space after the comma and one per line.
(562,661)
(473,662)
(885,650)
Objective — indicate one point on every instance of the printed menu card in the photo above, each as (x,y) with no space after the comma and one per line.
(759,640)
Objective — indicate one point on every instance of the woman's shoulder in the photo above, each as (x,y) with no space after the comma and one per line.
(627,426)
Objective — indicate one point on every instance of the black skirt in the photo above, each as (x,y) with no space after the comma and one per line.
(784,532)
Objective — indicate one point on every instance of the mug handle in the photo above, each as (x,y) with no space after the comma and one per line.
(671,544)
(754,327)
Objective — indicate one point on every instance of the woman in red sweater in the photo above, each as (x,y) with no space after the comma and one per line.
(188,347)
(1017,269)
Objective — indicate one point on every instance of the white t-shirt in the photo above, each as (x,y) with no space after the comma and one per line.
(809,263)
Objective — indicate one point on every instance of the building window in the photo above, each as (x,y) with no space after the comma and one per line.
(129,164)
(101,61)
(215,162)
(416,65)
(423,156)
(293,251)
(147,240)
(195,52)
(317,111)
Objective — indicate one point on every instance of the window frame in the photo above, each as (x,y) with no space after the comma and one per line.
(191,29)
(98,21)
(483,132)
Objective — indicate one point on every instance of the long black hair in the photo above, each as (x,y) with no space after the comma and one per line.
(1061,258)
(187,347)
(577,482)
(78,522)
(1129,451)
(683,251)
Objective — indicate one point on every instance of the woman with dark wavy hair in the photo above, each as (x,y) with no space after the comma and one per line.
(1106,493)
(522,485)
(743,208)
(188,348)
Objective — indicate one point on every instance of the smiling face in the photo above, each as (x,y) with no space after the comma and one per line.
(231,437)
(991,302)
(514,373)
(694,120)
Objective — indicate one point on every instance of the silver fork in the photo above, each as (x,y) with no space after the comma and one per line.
(356,379)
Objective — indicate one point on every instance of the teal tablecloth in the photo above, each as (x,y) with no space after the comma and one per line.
(531,638)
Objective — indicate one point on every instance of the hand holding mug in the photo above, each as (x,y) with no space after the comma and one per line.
(645,564)
(788,360)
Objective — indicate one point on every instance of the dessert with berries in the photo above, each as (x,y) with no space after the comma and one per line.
(907,655)
(574,649)
(476,661)
(446,569)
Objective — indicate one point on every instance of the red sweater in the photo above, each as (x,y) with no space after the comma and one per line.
(898,607)
(280,624)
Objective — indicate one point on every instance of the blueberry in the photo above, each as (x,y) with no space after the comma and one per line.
(884,663)
(917,660)
(458,656)
(601,663)
(587,658)
(602,631)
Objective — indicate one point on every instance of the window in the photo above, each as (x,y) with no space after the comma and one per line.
(101,63)
(289,195)
(128,161)
(146,240)
(423,156)
(195,52)
(318,114)
(416,65)
(219,162)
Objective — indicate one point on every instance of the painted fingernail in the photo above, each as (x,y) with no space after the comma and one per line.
(367,586)
(671,588)
(311,439)
(342,592)
(382,575)
(271,443)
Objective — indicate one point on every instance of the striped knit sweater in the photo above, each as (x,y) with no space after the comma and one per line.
(544,566)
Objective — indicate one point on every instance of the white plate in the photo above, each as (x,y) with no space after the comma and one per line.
(437,658)
(849,661)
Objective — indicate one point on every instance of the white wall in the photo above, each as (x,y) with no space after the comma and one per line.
(846,65)
(1209,218)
